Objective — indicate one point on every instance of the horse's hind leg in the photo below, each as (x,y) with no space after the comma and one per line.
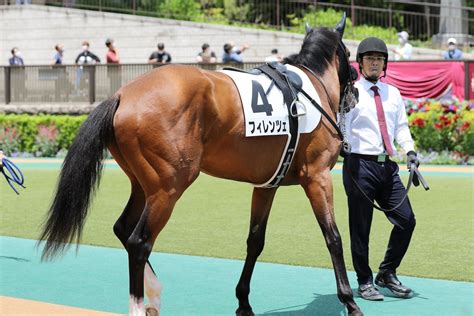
(318,188)
(123,229)
(262,200)
(157,211)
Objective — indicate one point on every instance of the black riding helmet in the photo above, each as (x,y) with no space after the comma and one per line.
(372,44)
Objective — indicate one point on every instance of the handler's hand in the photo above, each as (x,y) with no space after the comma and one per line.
(411,158)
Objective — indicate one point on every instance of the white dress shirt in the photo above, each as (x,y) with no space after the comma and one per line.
(362,125)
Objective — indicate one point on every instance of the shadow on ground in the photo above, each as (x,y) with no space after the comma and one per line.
(321,305)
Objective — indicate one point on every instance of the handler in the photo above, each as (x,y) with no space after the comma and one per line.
(372,126)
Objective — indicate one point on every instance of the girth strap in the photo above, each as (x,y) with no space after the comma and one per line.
(289,96)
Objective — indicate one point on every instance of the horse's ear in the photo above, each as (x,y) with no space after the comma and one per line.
(307,27)
(341,25)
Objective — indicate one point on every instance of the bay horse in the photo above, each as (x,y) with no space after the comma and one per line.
(173,122)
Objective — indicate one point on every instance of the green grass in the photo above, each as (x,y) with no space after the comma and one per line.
(211,219)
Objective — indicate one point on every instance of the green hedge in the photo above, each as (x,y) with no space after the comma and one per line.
(42,135)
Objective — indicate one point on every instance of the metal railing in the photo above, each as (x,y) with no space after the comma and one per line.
(286,14)
(88,84)
(73,83)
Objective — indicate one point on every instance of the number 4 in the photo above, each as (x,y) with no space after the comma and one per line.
(257,90)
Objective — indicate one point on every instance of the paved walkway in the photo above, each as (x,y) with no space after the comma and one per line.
(96,279)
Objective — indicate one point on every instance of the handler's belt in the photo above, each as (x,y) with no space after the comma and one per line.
(377,158)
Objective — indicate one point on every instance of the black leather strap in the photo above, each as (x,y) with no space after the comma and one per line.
(283,84)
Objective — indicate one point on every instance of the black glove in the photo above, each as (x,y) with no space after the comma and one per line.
(411,158)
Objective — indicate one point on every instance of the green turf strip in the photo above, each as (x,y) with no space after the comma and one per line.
(97,278)
(212,218)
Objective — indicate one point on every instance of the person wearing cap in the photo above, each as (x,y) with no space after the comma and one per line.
(369,175)
(160,56)
(206,56)
(453,52)
(404,50)
(232,54)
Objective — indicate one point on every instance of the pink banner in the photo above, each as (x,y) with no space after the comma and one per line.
(430,79)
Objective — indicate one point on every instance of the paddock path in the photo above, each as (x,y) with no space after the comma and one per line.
(96,279)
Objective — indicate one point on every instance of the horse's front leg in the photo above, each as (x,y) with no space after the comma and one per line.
(318,188)
(262,200)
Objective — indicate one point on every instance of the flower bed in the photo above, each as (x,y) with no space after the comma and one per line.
(443,128)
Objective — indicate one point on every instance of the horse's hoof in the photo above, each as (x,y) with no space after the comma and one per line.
(151,311)
(356,313)
(244,312)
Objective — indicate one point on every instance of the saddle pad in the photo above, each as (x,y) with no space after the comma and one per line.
(264,109)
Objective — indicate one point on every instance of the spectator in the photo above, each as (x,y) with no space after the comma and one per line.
(206,56)
(61,83)
(23,1)
(404,49)
(274,57)
(59,55)
(16,59)
(86,57)
(17,75)
(232,54)
(160,56)
(113,69)
(453,52)
(112,54)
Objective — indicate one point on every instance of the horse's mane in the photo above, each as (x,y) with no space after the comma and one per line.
(317,51)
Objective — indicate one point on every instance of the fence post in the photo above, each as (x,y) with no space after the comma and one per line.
(467,81)
(8,85)
(91,84)
(390,16)
(278,15)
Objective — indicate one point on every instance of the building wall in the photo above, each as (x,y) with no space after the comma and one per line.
(36,29)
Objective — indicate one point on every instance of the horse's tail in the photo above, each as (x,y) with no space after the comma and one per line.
(80,176)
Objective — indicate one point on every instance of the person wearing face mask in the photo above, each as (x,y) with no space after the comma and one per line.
(369,175)
(404,50)
(16,59)
(84,58)
(453,52)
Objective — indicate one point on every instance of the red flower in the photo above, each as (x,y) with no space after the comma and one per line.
(419,122)
(465,126)
(438,126)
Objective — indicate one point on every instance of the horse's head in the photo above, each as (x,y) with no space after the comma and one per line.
(324,50)
(346,73)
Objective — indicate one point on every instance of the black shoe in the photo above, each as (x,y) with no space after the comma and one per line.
(389,280)
(369,292)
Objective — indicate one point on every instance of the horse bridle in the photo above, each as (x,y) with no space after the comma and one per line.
(349,98)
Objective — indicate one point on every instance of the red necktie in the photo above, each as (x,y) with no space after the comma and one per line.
(381,119)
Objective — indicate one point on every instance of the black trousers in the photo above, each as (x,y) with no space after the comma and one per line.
(380,182)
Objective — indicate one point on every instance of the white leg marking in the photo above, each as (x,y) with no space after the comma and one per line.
(137,308)
(153,288)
